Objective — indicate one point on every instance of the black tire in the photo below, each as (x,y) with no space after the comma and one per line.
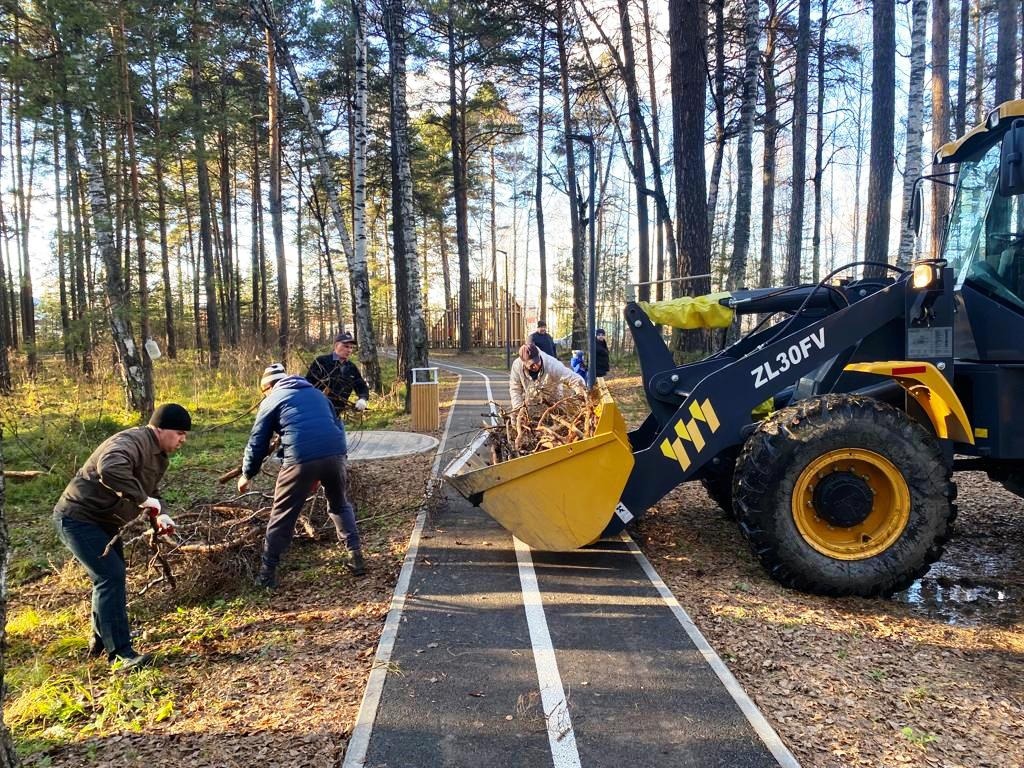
(717,481)
(785,448)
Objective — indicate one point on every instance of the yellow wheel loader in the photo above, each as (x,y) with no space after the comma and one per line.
(834,434)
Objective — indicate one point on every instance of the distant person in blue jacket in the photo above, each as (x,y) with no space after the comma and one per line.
(314,452)
(579,367)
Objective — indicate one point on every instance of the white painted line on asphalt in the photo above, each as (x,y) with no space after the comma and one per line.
(561,736)
(487,384)
(359,742)
(761,726)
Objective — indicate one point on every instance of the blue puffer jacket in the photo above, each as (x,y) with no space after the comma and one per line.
(300,413)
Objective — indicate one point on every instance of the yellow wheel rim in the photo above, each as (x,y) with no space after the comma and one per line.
(883,495)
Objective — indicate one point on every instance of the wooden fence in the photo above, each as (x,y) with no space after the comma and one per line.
(495,316)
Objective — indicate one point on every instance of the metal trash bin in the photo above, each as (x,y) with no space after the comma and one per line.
(425,403)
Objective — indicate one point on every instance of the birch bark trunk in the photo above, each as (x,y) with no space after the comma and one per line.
(358,272)
(915,122)
(117,306)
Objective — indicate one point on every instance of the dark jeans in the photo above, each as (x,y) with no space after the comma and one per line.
(294,483)
(109,593)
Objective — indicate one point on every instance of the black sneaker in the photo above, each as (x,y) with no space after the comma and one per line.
(131,662)
(356,563)
(266,579)
(96,648)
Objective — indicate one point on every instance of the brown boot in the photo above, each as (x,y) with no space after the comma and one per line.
(355,562)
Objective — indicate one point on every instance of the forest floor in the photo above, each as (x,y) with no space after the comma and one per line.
(931,677)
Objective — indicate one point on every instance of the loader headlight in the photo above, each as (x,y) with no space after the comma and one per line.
(924,276)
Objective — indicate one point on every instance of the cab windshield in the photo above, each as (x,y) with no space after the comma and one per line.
(985,240)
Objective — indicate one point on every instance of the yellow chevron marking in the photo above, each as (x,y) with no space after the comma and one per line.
(710,415)
(698,438)
(696,412)
(666,448)
(684,458)
(680,429)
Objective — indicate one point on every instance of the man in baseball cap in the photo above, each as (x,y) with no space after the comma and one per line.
(337,376)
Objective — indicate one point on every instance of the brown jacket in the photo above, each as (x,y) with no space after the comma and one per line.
(115,480)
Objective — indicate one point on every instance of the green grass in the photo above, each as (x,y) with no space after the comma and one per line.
(55,421)
(55,693)
(918,738)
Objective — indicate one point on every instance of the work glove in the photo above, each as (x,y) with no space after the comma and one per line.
(243,483)
(151,505)
(164,525)
(360,404)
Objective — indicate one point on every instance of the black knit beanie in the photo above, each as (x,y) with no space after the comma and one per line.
(171,416)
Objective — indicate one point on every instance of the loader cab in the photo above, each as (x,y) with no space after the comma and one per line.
(984,241)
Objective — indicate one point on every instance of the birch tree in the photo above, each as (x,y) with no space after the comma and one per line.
(147,404)
(358,273)
(117,304)
(915,119)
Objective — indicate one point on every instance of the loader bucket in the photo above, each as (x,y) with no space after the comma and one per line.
(556,500)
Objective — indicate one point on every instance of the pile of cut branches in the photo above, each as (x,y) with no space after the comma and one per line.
(215,544)
(540,426)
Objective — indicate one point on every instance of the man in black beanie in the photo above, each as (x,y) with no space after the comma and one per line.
(117,483)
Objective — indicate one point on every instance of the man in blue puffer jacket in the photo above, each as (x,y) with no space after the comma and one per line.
(314,452)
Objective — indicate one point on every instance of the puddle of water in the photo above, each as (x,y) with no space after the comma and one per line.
(948,595)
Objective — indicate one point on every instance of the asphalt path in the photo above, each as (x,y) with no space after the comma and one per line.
(495,655)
